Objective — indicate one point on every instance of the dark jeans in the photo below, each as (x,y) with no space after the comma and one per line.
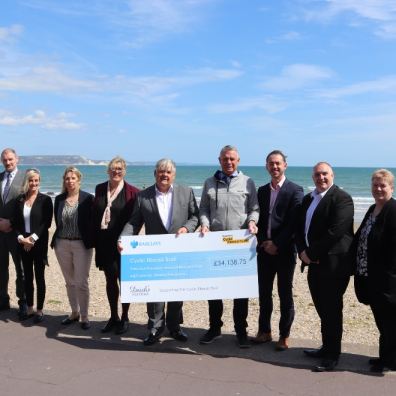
(240,313)
(385,319)
(267,267)
(327,291)
(9,244)
(33,261)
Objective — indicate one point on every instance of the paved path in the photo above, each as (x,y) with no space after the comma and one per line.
(50,359)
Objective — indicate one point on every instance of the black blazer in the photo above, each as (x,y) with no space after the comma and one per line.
(84,211)
(331,229)
(40,219)
(283,217)
(7,208)
(381,252)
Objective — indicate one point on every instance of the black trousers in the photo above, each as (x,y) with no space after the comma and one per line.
(327,290)
(34,267)
(283,267)
(9,245)
(385,319)
(240,313)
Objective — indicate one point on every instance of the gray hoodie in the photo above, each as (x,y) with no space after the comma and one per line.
(228,206)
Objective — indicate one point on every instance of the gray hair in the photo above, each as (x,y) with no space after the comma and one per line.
(165,163)
(8,150)
(385,175)
(29,173)
(227,148)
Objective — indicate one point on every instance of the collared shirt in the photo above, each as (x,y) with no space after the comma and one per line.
(274,195)
(317,197)
(164,204)
(13,173)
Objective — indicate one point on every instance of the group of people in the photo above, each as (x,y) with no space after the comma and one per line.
(318,227)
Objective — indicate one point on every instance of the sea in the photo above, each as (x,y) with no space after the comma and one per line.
(356,181)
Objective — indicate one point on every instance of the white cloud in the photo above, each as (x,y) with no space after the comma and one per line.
(10,33)
(41,119)
(267,104)
(297,76)
(380,12)
(288,36)
(380,85)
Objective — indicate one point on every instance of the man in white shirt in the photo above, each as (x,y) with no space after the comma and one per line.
(164,208)
(11,187)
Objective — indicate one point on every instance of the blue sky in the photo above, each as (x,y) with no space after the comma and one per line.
(147,79)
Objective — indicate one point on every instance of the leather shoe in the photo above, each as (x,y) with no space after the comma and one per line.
(326,365)
(374,361)
(262,338)
(70,320)
(122,326)
(179,335)
(282,344)
(38,318)
(152,338)
(110,325)
(23,312)
(314,353)
(85,325)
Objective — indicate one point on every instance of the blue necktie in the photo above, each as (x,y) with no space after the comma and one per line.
(7,188)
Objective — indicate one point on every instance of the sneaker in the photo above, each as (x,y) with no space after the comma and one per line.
(243,341)
(210,336)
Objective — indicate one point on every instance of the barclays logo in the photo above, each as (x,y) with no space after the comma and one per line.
(134,244)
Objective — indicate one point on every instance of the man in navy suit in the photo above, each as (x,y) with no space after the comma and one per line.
(11,181)
(279,203)
(324,236)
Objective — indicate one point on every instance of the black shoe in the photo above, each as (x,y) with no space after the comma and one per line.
(122,326)
(85,325)
(374,361)
(70,320)
(326,365)
(314,353)
(210,336)
(23,312)
(38,318)
(152,338)
(179,335)
(378,368)
(243,341)
(5,306)
(109,326)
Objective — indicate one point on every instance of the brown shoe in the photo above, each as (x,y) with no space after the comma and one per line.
(261,338)
(282,344)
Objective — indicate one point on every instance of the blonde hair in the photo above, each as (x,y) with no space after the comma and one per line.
(116,160)
(74,170)
(28,174)
(384,175)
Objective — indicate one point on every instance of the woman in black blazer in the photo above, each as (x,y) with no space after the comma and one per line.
(72,242)
(374,251)
(33,216)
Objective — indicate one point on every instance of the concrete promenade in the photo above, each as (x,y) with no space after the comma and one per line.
(51,359)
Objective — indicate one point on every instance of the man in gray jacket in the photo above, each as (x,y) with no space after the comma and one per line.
(228,202)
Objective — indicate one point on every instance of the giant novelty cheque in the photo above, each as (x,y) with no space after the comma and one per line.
(218,265)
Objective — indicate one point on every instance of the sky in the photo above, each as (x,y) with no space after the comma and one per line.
(147,79)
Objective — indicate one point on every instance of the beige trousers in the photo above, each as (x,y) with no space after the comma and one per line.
(75,261)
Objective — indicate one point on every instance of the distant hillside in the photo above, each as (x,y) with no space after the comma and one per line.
(67,160)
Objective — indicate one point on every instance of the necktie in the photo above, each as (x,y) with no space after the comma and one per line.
(7,188)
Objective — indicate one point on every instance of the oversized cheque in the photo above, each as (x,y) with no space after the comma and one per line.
(219,265)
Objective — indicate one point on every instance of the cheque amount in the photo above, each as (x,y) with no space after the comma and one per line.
(229,262)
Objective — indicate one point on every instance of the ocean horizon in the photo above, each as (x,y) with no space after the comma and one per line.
(356,181)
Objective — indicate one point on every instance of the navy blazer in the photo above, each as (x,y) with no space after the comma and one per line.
(381,252)
(331,229)
(40,219)
(84,211)
(283,217)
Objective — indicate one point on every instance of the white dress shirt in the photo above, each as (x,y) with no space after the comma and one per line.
(164,204)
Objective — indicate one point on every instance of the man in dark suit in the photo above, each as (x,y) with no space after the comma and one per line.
(11,187)
(279,203)
(323,241)
(164,208)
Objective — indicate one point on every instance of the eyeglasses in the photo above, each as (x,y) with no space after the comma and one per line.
(117,169)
